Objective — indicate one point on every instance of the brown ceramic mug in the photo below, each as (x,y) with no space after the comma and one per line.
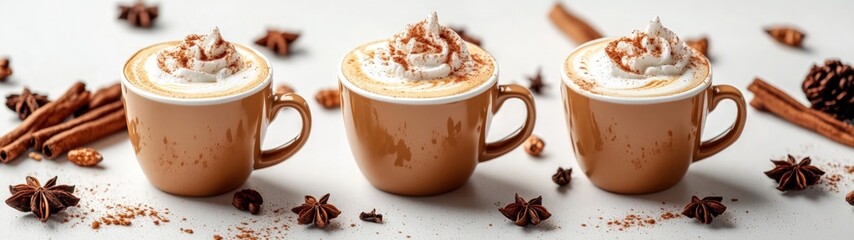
(427,146)
(208,146)
(635,145)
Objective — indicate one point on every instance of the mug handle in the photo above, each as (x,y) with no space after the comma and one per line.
(505,145)
(725,139)
(281,153)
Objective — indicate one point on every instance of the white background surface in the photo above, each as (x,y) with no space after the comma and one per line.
(53,43)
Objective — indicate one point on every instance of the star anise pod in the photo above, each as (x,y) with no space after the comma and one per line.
(317,212)
(704,210)
(5,70)
(41,200)
(278,41)
(25,103)
(788,36)
(248,200)
(371,216)
(535,83)
(562,176)
(139,14)
(794,176)
(523,213)
(466,37)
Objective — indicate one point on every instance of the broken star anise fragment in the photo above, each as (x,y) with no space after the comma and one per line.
(563,176)
(850,198)
(788,36)
(284,89)
(41,200)
(523,213)
(466,37)
(317,212)
(138,14)
(25,103)
(794,176)
(699,44)
(704,210)
(5,69)
(371,216)
(278,41)
(248,200)
(535,83)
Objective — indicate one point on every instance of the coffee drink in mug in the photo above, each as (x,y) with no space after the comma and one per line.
(198,110)
(636,106)
(417,108)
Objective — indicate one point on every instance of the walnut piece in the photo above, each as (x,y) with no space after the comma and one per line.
(85,157)
(534,146)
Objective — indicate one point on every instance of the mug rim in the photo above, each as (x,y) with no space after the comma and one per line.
(197,101)
(489,83)
(707,82)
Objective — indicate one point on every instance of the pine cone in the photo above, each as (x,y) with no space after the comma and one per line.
(830,88)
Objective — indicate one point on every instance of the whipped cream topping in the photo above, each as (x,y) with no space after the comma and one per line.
(651,63)
(200,66)
(423,51)
(654,52)
(200,58)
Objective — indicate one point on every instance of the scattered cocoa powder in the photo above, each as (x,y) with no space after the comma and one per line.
(670,215)
(832,182)
(638,219)
(124,215)
(268,226)
(187,230)
(838,176)
(96,225)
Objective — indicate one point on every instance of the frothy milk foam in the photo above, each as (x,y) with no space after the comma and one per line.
(426,60)
(652,63)
(200,66)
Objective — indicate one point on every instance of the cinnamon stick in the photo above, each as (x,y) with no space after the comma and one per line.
(83,134)
(574,27)
(63,108)
(42,135)
(49,111)
(759,83)
(102,97)
(770,99)
(15,149)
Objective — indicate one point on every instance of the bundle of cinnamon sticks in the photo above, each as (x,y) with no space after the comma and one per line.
(46,130)
(771,99)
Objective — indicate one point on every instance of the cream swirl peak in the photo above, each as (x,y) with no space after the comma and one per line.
(654,52)
(424,51)
(200,58)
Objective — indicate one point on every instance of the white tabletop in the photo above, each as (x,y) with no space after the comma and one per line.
(53,44)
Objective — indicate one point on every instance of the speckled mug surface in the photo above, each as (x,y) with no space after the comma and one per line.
(207,146)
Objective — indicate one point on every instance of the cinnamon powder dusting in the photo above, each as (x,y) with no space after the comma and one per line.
(182,54)
(617,56)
